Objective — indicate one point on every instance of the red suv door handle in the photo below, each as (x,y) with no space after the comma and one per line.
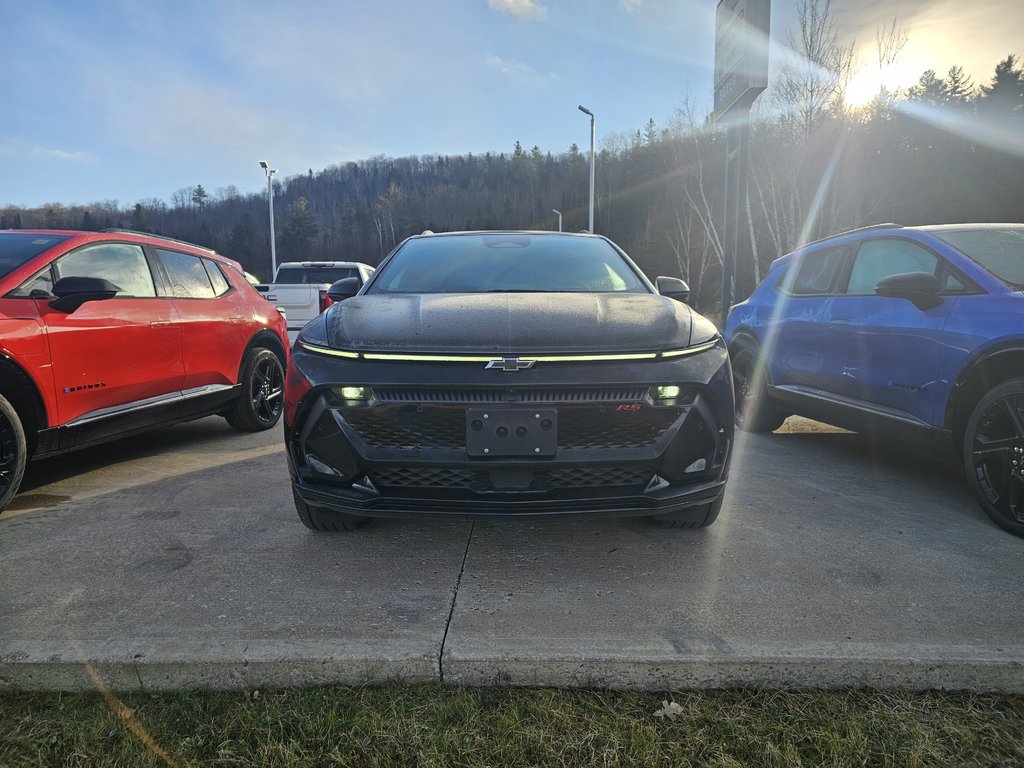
(160,324)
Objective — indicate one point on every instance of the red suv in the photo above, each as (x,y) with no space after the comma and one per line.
(105,334)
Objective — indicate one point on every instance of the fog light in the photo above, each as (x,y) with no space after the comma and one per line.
(353,393)
(322,467)
(669,392)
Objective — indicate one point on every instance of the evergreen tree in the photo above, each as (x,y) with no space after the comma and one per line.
(199,196)
(300,228)
(929,89)
(1006,93)
(959,87)
(139,218)
(650,132)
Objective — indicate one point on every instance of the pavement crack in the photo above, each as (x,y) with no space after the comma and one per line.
(455,597)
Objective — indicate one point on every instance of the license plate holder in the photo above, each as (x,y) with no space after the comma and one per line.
(511,431)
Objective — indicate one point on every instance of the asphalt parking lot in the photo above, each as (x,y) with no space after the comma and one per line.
(176,560)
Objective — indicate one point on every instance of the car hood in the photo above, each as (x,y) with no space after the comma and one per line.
(509,323)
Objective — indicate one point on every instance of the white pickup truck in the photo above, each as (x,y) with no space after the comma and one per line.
(300,288)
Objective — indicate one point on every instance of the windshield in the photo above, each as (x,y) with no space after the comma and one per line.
(18,249)
(507,263)
(1000,251)
(313,275)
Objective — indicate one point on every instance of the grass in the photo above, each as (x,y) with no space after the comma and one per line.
(433,725)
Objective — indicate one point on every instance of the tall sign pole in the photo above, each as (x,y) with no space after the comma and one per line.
(741,74)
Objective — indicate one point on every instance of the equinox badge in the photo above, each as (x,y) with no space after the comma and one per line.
(511,364)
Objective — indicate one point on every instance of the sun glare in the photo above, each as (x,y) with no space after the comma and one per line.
(868,81)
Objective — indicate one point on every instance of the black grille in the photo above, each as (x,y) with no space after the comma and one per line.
(510,395)
(588,428)
(406,428)
(426,477)
(543,480)
(445,428)
(596,477)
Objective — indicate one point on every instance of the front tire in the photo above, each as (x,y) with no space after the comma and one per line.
(325,520)
(755,411)
(13,452)
(261,400)
(993,453)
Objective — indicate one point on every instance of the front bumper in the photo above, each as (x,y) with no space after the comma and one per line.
(405,452)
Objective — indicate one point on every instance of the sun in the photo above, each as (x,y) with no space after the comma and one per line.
(868,81)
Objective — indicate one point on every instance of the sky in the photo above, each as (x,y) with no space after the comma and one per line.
(124,100)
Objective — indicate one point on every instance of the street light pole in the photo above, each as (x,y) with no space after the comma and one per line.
(553,210)
(593,136)
(270,196)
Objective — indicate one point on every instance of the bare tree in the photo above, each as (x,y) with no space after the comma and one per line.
(890,41)
(813,83)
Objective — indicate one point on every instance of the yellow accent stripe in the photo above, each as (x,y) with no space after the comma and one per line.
(333,352)
(691,350)
(426,358)
(385,356)
(591,358)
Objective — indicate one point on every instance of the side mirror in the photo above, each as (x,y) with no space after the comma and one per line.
(344,289)
(674,288)
(920,288)
(73,292)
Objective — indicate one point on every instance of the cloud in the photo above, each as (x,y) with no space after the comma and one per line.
(18,147)
(61,154)
(632,6)
(518,71)
(521,9)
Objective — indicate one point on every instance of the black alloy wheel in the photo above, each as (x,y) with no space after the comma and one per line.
(994,454)
(13,453)
(754,410)
(261,401)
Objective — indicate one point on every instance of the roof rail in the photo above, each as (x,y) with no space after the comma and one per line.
(887,225)
(125,231)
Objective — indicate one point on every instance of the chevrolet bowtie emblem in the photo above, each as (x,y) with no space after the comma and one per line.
(510,364)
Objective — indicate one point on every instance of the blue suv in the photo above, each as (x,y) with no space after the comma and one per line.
(914,332)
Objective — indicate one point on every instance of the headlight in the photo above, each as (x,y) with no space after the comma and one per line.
(352,393)
(668,392)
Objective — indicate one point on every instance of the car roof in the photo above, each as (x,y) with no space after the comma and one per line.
(318,264)
(532,232)
(926,228)
(77,237)
(966,227)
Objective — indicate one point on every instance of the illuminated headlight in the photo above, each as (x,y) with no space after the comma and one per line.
(668,392)
(353,393)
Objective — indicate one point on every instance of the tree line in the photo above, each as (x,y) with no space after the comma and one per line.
(944,150)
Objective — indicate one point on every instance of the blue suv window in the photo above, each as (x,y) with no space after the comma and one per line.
(878,259)
(815,273)
(1000,251)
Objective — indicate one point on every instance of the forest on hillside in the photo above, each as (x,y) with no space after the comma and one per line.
(944,150)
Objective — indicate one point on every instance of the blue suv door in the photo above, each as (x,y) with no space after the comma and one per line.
(884,352)
(794,326)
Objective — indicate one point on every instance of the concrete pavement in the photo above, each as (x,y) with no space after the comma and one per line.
(176,560)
